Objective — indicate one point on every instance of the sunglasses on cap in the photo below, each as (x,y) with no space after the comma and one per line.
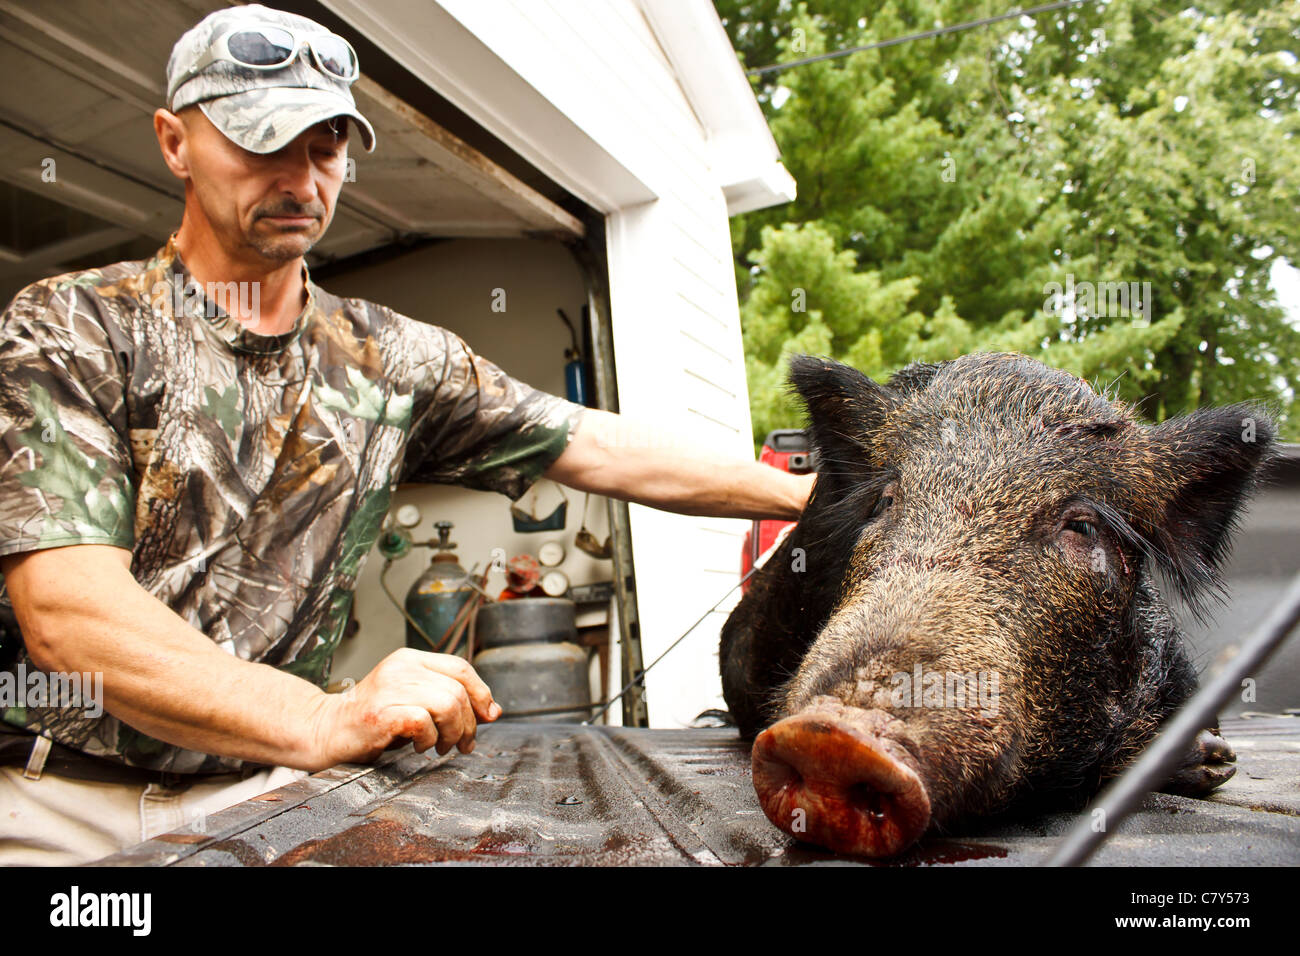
(274,47)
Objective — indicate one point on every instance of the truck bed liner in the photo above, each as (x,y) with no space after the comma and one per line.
(562,794)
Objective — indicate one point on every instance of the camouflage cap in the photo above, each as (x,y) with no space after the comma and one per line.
(261,110)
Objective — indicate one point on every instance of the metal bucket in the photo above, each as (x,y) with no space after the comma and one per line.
(525,621)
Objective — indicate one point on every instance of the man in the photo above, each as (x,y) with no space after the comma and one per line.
(187,492)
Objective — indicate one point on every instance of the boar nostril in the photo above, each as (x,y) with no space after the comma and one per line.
(868,799)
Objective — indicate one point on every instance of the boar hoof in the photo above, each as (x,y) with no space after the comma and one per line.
(827,775)
(1208,766)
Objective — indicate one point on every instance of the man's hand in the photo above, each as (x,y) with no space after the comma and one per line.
(80,610)
(433,700)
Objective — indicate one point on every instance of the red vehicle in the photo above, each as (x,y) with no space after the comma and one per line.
(787,449)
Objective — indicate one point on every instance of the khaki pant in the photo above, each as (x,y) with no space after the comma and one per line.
(59,821)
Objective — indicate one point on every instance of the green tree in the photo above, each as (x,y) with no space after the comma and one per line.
(945,184)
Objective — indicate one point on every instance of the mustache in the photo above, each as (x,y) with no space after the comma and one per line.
(288,207)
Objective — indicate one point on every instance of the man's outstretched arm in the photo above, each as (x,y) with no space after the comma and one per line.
(622,458)
(80,610)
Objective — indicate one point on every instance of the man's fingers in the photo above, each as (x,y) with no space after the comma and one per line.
(450,725)
(412,723)
(437,700)
(459,669)
(466,744)
(452,714)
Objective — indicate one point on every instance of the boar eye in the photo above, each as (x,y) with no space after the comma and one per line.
(1079,526)
(883,502)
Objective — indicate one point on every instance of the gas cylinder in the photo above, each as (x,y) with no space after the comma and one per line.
(530,658)
(439,593)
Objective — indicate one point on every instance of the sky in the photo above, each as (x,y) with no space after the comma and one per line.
(1286,283)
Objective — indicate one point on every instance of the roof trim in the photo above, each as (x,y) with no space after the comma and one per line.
(743,152)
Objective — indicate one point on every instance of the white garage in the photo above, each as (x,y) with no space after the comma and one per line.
(574,155)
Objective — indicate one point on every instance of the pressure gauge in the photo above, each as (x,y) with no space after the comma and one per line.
(408,516)
(555,583)
(550,554)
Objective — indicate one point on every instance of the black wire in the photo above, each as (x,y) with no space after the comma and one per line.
(568,709)
(573,335)
(938,31)
(640,678)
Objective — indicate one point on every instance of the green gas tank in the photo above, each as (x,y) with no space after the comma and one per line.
(438,594)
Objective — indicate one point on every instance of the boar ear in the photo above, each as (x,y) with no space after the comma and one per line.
(1209,460)
(843,407)
(914,377)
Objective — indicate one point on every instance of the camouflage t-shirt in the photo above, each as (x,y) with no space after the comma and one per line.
(248,474)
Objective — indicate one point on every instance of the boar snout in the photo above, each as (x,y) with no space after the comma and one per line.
(833,775)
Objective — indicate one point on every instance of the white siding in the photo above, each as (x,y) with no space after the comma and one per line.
(676,322)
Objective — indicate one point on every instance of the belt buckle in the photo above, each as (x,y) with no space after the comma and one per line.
(168,779)
(36,762)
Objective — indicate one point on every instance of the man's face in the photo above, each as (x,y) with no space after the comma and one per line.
(275,206)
